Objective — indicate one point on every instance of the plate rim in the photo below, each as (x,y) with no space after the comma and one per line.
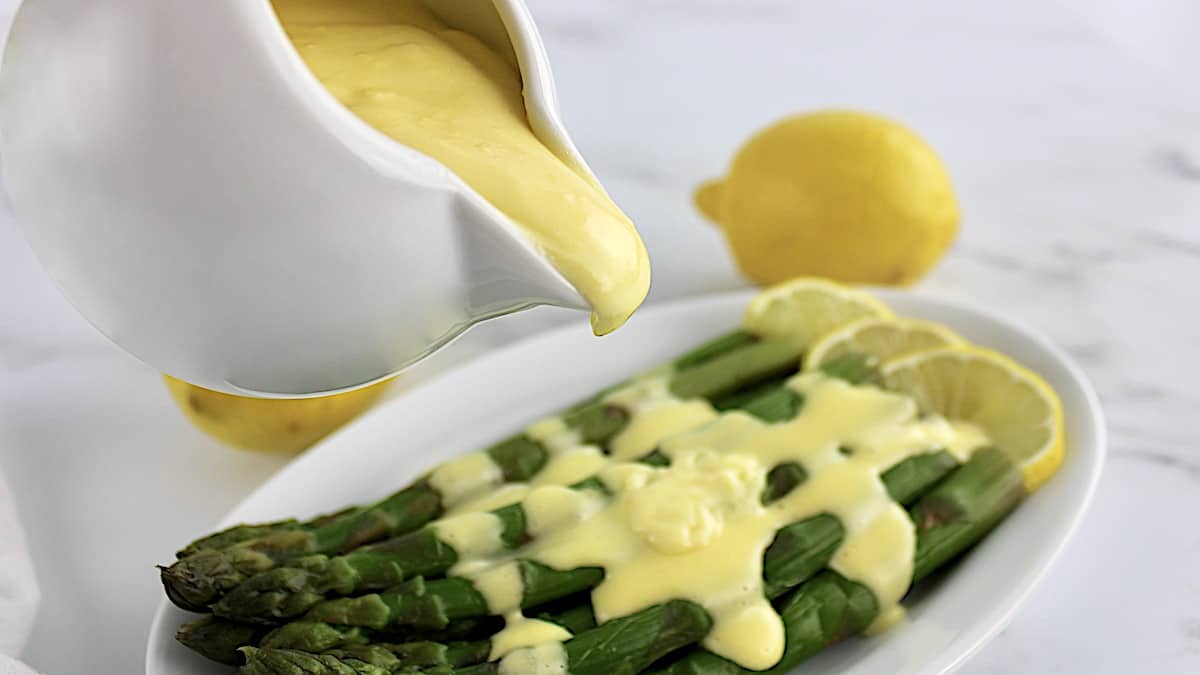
(992,623)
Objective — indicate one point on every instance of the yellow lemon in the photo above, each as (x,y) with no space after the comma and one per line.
(880,339)
(803,310)
(838,194)
(1019,411)
(271,425)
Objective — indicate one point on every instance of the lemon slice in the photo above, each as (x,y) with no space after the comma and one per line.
(1019,411)
(803,310)
(880,340)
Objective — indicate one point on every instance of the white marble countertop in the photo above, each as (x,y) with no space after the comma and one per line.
(1079,174)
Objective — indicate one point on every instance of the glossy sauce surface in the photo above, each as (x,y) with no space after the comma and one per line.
(697,529)
(446,94)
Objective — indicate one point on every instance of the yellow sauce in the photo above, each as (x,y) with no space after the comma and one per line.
(446,94)
(463,478)
(472,535)
(521,632)
(545,659)
(697,530)
(500,585)
(656,414)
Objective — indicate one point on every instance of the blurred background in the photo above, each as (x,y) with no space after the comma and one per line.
(1071,130)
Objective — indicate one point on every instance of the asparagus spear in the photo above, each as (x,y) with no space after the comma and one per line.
(434,604)
(789,404)
(199,580)
(715,347)
(625,645)
(412,657)
(953,516)
(781,480)
(244,532)
(293,662)
(801,549)
(573,613)
(824,610)
(237,534)
(285,592)
(218,639)
(961,510)
(798,551)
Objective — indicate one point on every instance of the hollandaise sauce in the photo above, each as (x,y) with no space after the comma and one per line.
(697,528)
(446,94)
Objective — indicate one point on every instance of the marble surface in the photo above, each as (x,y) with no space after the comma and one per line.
(1079,172)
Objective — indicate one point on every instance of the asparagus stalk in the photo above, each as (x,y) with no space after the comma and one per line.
(293,662)
(244,532)
(573,613)
(824,610)
(718,346)
(953,516)
(239,533)
(286,592)
(798,551)
(434,604)
(218,639)
(781,480)
(412,657)
(961,510)
(625,645)
(199,580)
(802,549)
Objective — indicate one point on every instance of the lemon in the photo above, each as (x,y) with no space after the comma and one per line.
(803,310)
(272,425)
(845,195)
(1019,411)
(880,339)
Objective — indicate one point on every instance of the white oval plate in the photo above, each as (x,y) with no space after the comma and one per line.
(501,392)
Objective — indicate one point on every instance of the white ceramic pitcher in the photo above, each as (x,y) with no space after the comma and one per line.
(208,205)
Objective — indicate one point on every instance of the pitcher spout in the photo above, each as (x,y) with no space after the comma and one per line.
(503,269)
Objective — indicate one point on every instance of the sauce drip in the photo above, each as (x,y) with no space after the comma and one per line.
(697,529)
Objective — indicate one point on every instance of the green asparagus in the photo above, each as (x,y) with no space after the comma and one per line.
(286,592)
(417,621)
(950,518)
(828,607)
(201,579)
(626,645)
(798,551)
(218,639)
(434,604)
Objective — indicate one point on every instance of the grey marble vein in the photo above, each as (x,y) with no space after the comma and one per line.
(1190,468)
(1175,162)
